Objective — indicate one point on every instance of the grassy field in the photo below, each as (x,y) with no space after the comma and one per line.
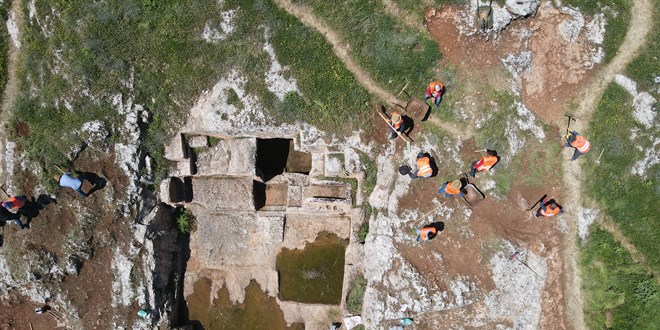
(617,16)
(619,293)
(4,44)
(631,200)
(160,44)
(391,52)
(646,66)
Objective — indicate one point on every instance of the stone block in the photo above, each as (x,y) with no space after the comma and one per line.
(228,157)
(295,196)
(198,141)
(224,194)
(329,191)
(177,150)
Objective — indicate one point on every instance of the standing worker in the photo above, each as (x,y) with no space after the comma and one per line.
(449,189)
(397,122)
(73,181)
(485,163)
(549,208)
(424,169)
(578,142)
(435,91)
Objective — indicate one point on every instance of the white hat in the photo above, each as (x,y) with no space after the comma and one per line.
(437,87)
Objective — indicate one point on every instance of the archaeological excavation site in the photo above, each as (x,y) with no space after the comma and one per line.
(270,210)
(342,165)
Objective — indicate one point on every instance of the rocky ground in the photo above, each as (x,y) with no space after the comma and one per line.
(126,254)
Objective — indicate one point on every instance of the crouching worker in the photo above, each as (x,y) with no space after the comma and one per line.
(14,204)
(5,216)
(71,180)
(485,163)
(430,231)
(450,189)
(577,141)
(549,208)
(435,91)
(424,169)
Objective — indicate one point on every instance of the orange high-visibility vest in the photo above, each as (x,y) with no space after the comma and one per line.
(424,166)
(395,125)
(16,202)
(435,93)
(549,211)
(424,233)
(488,162)
(581,144)
(450,190)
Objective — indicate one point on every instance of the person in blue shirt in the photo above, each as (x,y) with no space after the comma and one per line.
(73,181)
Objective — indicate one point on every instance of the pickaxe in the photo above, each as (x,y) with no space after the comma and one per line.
(515,256)
(392,127)
(568,127)
(540,200)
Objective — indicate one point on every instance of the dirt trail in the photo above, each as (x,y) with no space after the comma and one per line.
(340,49)
(640,24)
(11,88)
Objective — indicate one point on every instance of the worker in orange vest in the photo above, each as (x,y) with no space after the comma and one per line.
(430,231)
(549,208)
(449,189)
(397,122)
(485,163)
(435,90)
(424,169)
(577,141)
(14,203)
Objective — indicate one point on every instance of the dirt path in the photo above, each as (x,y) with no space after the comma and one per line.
(340,49)
(640,24)
(11,88)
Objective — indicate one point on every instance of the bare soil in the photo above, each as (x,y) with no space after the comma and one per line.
(556,72)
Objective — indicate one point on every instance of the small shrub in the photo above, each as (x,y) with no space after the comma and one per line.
(184,221)
(364,230)
(356,295)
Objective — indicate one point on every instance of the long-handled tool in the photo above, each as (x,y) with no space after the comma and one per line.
(428,213)
(537,202)
(392,127)
(515,257)
(482,150)
(4,191)
(568,126)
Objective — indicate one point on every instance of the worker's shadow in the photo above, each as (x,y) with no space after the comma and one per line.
(438,225)
(96,181)
(33,206)
(409,125)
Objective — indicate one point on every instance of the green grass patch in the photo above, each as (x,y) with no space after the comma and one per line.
(356,295)
(391,52)
(617,15)
(646,66)
(631,200)
(619,294)
(88,52)
(4,44)
(363,231)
